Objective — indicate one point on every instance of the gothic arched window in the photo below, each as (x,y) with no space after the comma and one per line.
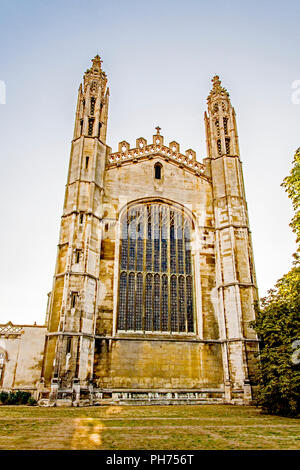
(156,280)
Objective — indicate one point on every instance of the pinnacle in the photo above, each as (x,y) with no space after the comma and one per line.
(97,61)
(216,81)
(217,88)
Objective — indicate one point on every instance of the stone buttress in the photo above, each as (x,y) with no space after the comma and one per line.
(69,348)
(235,273)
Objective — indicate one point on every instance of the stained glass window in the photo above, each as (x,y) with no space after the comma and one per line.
(156,285)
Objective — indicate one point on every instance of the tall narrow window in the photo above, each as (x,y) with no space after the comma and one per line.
(77,256)
(227,143)
(156,283)
(73,299)
(81,126)
(91,126)
(99,129)
(93,101)
(87,162)
(81,219)
(225,121)
(157,171)
(69,345)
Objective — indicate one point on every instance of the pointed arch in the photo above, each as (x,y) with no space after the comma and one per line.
(155,265)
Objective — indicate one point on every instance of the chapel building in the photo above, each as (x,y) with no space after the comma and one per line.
(154,285)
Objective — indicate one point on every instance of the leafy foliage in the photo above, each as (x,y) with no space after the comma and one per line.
(16,398)
(292,186)
(278,326)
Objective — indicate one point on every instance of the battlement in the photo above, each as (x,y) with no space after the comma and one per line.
(144,151)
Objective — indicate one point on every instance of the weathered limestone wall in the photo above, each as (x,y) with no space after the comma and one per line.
(23,348)
(152,364)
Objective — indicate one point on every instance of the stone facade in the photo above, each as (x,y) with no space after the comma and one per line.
(160,314)
(21,356)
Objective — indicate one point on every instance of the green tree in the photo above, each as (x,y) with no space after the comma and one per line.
(278,327)
(292,186)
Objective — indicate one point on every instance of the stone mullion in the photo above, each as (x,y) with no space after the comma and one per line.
(152,236)
(169,266)
(184,273)
(127,270)
(152,261)
(144,266)
(126,301)
(153,220)
(160,268)
(177,269)
(135,275)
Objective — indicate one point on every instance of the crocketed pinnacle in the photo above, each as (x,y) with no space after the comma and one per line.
(217,88)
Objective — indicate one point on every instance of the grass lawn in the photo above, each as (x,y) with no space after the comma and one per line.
(146,427)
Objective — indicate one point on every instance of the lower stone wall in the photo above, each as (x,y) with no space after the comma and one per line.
(131,363)
(131,397)
(100,397)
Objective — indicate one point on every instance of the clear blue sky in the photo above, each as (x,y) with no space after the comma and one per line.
(159,57)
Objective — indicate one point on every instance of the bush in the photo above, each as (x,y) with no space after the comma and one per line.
(31,402)
(3,398)
(15,398)
(278,326)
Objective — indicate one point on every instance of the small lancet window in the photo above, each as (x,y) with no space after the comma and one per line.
(225,121)
(227,143)
(91,126)
(81,126)
(87,162)
(69,345)
(93,101)
(81,219)
(77,256)
(157,171)
(73,299)
(99,129)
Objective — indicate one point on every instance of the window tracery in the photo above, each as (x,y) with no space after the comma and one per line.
(155,283)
